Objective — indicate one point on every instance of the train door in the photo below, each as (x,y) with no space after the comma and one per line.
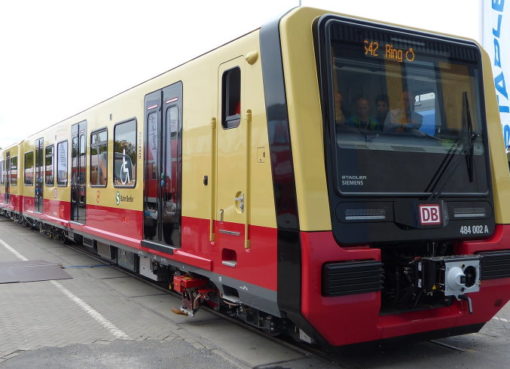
(231,226)
(78,171)
(7,177)
(39,181)
(163,155)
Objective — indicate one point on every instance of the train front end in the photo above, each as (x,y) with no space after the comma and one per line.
(397,165)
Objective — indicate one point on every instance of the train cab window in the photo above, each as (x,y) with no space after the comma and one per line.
(49,178)
(231,98)
(13,180)
(99,158)
(396,99)
(124,166)
(62,163)
(29,168)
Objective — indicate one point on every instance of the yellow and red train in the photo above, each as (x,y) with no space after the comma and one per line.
(338,179)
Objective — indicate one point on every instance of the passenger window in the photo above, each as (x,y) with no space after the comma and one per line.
(14,171)
(2,172)
(48,162)
(99,158)
(62,163)
(231,98)
(29,168)
(124,166)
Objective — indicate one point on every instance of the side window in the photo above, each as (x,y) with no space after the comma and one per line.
(29,168)
(49,179)
(124,166)
(14,171)
(99,158)
(2,172)
(231,98)
(62,163)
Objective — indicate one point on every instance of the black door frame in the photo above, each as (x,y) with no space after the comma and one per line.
(162,190)
(39,180)
(78,172)
(7,177)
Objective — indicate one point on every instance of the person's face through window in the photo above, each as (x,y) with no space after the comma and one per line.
(381,108)
(362,109)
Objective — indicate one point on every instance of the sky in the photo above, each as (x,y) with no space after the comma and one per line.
(59,57)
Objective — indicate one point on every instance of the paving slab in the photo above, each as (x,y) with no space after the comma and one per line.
(175,354)
(30,271)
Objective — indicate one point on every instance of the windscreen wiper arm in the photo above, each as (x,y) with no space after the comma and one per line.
(440,175)
(468,135)
(466,140)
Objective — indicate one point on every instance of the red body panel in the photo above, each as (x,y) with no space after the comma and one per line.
(28,205)
(355,318)
(57,212)
(115,224)
(14,203)
(256,265)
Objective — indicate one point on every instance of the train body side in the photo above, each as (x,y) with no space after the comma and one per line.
(236,246)
(11,196)
(253,202)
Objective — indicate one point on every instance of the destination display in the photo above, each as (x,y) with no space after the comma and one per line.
(388,52)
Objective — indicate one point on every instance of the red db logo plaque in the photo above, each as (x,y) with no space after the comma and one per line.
(430,214)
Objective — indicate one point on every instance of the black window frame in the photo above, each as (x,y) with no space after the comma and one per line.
(59,184)
(13,158)
(92,147)
(229,118)
(136,153)
(52,183)
(25,168)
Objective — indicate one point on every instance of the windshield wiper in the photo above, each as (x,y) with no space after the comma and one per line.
(468,136)
(440,174)
(466,139)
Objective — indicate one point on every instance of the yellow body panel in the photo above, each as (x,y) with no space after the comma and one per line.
(305,115)
(201,105)
(305,119)
(499,161)
(13,151)
(27,146)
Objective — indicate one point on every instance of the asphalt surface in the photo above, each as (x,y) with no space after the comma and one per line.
(105,318)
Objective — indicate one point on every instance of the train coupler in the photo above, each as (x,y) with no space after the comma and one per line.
(195,291)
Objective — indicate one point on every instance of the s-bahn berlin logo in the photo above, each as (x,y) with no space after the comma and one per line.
(430,214)
(122,198)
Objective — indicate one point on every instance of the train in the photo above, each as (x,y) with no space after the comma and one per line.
(335,179)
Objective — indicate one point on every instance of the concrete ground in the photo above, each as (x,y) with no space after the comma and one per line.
(105,318)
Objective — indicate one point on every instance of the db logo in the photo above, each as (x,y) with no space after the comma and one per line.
(430,214)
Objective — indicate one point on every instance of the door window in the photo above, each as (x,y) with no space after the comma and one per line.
(48,162)
(29,168)
(62,163)
(124,167)
(231,98)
